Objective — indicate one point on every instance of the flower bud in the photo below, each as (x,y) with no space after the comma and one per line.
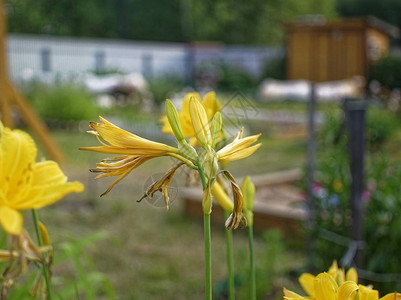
(200,122)
(248,191)
(207,201)
(44,234)
(217,124)
(187,151)
(174,121)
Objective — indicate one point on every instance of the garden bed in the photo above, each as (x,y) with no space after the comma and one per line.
(278,202)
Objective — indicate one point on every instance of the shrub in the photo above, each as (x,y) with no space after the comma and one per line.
(162,88)
(61,102)
(233,78)
(331,195)
(275,68)
(387,71)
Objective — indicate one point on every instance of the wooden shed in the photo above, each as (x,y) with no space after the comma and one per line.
(319,50)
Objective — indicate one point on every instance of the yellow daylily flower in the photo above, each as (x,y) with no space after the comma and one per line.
(239,148)
(24,183)
(136,150)
(210,103)
(325,287)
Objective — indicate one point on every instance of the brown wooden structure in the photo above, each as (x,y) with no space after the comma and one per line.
(10,97)
(318,50)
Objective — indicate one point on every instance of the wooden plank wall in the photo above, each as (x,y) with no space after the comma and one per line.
(329,54)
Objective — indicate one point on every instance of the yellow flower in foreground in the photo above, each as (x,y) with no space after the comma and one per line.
(333,285)
(239,148)
(24,183)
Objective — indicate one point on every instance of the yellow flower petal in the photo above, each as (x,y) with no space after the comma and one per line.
(325,287)
(11,220)
(200,122)
(17,157)
(41,196)
(48,172)
(392,296)
(211,104)
(307,282)
(351,275)
(120,138)
(236,154)
(347,291)
(291,295)
(366,293)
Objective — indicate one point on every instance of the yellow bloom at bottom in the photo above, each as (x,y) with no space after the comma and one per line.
(334,285)
(24,183)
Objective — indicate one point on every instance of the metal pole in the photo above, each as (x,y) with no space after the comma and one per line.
(355,121)
(310,169)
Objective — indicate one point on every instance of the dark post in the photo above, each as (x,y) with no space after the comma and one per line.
(355,122)
(310,169)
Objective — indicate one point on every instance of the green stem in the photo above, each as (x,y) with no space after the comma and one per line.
(230,261)
(252,265)
(201,174)
(208,257)
(40,243)
(207,240)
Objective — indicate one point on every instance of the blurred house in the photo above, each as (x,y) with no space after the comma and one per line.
(48,57)
(318,50)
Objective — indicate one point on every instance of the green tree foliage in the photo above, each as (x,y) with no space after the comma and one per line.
(247,22)
(387,10)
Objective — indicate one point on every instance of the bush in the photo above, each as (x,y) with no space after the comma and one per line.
(381,124)
(162,88)
(232,78)
(387,71)
(275,68)
(61,102)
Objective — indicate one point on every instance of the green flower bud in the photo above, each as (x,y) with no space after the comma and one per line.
(217,124)
(248,191)
(174,121)
(187,151)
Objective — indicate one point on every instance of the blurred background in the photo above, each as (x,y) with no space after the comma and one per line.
(75,60)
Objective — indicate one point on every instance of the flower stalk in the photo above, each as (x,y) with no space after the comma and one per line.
(252,275)
(230,261)
(207,239)
(40,244)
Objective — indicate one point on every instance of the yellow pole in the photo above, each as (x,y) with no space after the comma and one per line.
(9,94)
